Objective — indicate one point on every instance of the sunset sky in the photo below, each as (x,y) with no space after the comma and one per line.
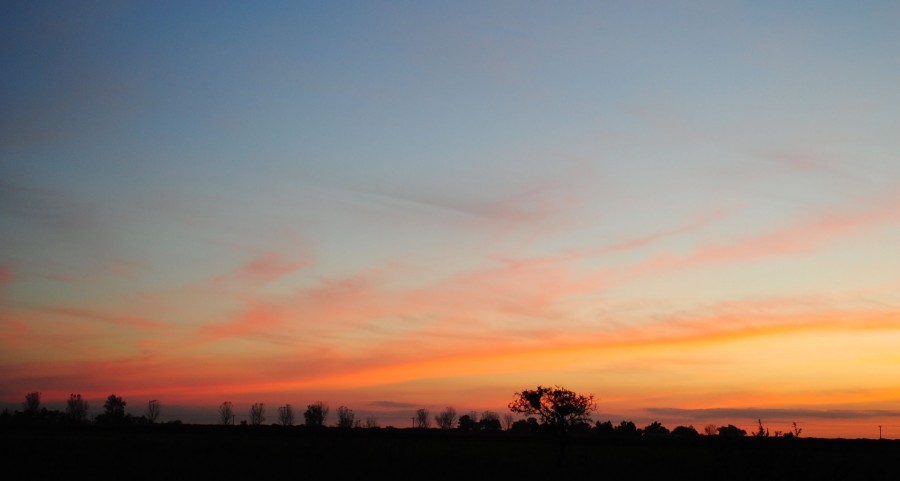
(689,209)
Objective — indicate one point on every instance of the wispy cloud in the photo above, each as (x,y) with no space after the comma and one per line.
(787,414)
(122,320)
(393,404)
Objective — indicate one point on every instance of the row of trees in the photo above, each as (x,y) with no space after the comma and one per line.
(76,411)
(549,409)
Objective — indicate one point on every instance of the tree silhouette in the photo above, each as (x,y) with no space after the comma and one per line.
(627,429)
(685,432)
(731,431)
(153,410)
(655,428)
(711,430)
(315,414)
(76,408)
(257,413)
(490,421)
(345,417)
(32,402)
(286,415)
(604,429)
(761,432)
(226,413)
(446,418)
(422,420)
(508,419)
(556,407)
(371,422)
(466,423)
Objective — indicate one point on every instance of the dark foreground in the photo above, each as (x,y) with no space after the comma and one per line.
(272,452)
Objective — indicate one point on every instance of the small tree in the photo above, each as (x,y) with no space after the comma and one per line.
(371,422)
(226,413)
(466,423)
(490,421)
(731,431)
(795,430)
(761,432)
(446,418)
(153,410)
(315,414)
(345,417)
(627,429)
(655,428)
(685,432)
(422,420)
(711,430)
(32,402)
(257,413)
(286,415)
(76,408)
(556,407)
(508,419)
(114,409)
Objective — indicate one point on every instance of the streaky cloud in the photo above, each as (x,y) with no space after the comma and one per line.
(773,413)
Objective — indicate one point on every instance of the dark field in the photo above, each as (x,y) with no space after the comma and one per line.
(273,452)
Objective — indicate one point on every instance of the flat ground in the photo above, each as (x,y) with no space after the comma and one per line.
(274,452)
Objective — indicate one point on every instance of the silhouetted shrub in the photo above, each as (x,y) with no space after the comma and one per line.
(731,431)
(315,414)
(685,432)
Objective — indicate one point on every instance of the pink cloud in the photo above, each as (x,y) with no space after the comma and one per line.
(269,267)
(255,318)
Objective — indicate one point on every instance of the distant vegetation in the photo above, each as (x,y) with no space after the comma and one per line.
(554,411)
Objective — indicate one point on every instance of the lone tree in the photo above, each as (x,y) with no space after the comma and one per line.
(32,402)
(557,407)
(315,414)
(226,413)
(76,408)
(345,417)
(421,420)
(153,410)
(446,418)
(286,415)
(508,420)
(257,413)
(113,411)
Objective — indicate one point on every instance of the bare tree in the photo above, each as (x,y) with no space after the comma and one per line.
(226,413)
(153,410)
(345,417)
(76,408)
(371,422)
(711,430)
(286,415)
(422,420)
(315,414)
(257,413)
(795,430)
(446,418)
(508,419)
(32,402)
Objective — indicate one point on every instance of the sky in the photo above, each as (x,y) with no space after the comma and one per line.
(689,209)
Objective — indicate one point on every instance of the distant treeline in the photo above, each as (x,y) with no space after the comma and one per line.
(574,423)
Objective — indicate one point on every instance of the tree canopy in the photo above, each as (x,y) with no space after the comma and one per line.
(555,406)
